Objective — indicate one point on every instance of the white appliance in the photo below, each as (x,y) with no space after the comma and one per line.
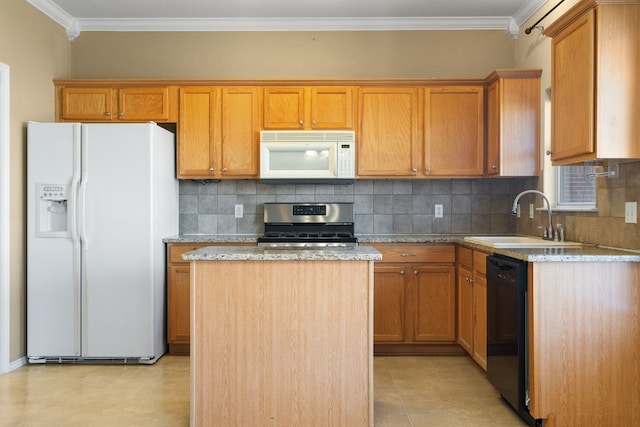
(307,157)
(100,199)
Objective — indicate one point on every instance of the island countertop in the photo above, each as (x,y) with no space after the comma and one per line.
(254,253)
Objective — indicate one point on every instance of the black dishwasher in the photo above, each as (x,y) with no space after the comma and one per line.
(507,347)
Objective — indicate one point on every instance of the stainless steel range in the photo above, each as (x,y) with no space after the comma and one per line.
(308,226)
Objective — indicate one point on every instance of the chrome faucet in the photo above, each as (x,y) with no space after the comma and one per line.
(547,231)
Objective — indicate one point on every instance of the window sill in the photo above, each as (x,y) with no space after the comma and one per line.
(570,209)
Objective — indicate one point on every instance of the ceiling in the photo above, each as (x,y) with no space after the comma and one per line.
(287,15)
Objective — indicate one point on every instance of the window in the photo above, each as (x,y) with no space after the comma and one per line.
(575,189)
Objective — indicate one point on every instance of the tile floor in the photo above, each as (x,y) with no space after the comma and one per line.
(409,391)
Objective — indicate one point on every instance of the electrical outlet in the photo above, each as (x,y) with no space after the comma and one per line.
(532,211)
(239,211)
(439,211)
(631,212)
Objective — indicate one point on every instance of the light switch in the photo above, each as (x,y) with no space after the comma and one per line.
(239,211)
(631,212)
(439,211)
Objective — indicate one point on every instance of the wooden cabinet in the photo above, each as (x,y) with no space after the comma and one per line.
(583,343)
(454,131)
(421,132)
(218,132)
(109,104)
(594,82)
(389,134)
(513,123)
(472,304)
(414,297)
(310,108)
(178,294)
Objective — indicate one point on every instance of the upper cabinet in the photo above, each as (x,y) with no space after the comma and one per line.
(108,103)
(454,131)
(218,132)
(404,128)
(595,93)
(389,133)
(513,123)
(308,108)
(421,131)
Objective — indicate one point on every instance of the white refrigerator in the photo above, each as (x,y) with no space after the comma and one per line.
(100,199)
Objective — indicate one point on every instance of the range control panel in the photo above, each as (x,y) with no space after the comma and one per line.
(309,209)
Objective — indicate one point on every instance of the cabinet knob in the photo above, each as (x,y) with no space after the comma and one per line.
(548,152)
(224,170)
(427,170)
(494,167)
(402,272)
(414,170)
(314,122)
(120,114)
(415,273)
(301,122)
(212,170)
(406,254)
(107,113)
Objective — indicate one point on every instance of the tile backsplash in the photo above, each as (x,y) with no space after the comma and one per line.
(381,206)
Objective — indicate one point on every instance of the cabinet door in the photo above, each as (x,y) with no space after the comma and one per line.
(389,131)
(465,309)
(87,104)
(331,107)
(572,94)
(513,123)
(389,304)
(196,126)
(283,108)
(479,353)
(178,305)
(143,104)
(433,303)
(454,131)
(494,126)
(240,130)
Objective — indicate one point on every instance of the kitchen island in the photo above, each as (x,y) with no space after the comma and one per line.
(281,337)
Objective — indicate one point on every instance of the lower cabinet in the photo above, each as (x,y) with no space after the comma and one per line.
(472,304)
(178,294)
(414,299)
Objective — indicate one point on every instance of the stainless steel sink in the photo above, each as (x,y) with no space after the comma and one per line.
(518,242)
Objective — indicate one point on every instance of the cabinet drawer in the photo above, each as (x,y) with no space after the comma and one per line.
(480,262)
(416,252)
(465,257)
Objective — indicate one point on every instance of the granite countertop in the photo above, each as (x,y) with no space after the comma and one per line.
(254,253)
(584,253)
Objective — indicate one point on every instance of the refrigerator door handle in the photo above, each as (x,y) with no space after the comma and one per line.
(82,195)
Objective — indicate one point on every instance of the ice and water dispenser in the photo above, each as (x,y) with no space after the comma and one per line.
(52,210)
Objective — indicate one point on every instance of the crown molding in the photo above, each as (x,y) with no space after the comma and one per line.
(59,15)
(75,26)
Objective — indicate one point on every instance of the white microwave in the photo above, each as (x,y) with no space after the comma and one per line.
(307,157)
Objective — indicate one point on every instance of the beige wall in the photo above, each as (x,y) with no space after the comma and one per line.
(36,49)
(275,55)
